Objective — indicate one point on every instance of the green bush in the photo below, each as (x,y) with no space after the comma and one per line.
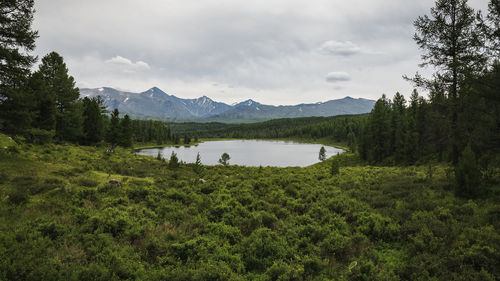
(87,182)
(467,174)
(19,195)
(39,136)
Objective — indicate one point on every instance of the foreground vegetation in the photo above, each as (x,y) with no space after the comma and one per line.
(61,219)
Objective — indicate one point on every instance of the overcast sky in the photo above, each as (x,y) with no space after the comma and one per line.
(273,51)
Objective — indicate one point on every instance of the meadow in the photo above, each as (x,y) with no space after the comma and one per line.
(62,219)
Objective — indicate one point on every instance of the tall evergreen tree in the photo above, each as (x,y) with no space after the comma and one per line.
(352,142)
(69,110)
(494,27)
(198,166)
(380,130)
(399,127)
(454,45)
(322,154)
(45,103)
(126,132)
(113,133)
(173,163)
(17,39)
(93,121)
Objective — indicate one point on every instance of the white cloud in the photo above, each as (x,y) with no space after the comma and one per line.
(132,67)
(338,48)
(334,77)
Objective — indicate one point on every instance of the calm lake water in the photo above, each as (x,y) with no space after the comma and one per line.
(248,152)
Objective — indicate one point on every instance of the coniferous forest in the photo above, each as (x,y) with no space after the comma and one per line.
(415,197)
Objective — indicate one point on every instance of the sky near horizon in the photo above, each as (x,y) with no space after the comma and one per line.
(275,51)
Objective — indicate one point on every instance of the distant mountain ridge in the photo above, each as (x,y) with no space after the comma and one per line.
(156,103)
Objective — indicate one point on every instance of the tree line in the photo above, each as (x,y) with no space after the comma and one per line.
(335,128)
(459,122)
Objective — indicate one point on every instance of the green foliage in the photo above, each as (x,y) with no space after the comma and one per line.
(173,162)
(19,196)
(114,130)
(17,39)
(68,109)
(336,128)
(238,223)
(322,154)
(93,120)
(40,136)
(335,166)
(126,132)
(198,166)
(224,159)
(467,174)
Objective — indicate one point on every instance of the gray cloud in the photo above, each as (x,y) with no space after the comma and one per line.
(334,77)
(337,48)
(263,49)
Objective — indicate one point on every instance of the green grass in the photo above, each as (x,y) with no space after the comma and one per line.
(6,141)
(60,219)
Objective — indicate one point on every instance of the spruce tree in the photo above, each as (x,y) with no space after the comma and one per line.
(45,103)
(198,166)
(69,110)
(126,132)
(453,44)
(224,159)
(494,27)
(335,168)
(380,130)
(113,134)
(399,127)
(352,142)
(17,39)
(93,121)
(322,154)
(173,163)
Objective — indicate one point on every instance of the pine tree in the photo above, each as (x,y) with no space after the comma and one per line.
(113,134)
(224,159)
(126,132)
(494,28)
(45,103)
(380,130)
(454,45)
(399,127)
(352,142)
(69,110)
(335,168)
(412,143)
(93,123)
(322,154)
(198,166)
(173,163)
(16,41)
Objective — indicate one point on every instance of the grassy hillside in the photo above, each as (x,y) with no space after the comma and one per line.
(60,219)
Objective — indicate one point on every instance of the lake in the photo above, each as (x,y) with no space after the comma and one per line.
(248,152)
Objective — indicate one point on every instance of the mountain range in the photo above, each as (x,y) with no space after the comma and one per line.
(156,103)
